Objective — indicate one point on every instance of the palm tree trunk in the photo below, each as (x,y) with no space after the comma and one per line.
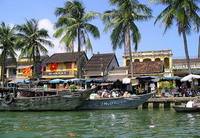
(199,48)
(34,62)
(79,52)
(3,70)
(186,51)
(128,45)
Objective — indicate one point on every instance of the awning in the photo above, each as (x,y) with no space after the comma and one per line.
(190,77)
(20,81)
(56,81)
(170,78)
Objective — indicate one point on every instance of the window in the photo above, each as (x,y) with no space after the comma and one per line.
(68,65)
(127,62)
(136,60)
(146,60)
(44,68)
(157,59)
(19,70)
(166,63)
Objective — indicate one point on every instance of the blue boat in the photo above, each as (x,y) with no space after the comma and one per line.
(115,103)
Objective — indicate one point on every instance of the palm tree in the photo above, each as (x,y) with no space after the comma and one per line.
(185,14)
(33,42)
(122,23)
(8,41)
(73,24)
(199,48)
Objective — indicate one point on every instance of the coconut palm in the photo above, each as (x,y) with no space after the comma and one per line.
(73,24)
(8,41)
(122,20)
(199,48)
(33,42)
(185,14)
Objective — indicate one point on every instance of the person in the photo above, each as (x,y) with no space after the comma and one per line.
(93,86)
(152,86)
(67,86)
(45,87)
(126,94)
(163,92)
(114,94)
(190,104)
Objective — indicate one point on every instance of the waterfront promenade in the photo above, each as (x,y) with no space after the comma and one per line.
(166,102)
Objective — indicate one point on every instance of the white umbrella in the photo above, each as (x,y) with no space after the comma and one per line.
(190,77)
(126,80)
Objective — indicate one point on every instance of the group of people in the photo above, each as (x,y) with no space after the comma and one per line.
(104,93)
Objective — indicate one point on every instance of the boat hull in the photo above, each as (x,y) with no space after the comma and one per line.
(62,102)
(115,103)
(182,108)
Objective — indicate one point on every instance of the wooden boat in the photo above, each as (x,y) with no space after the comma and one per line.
(183,108)
(115,103)
(39,100)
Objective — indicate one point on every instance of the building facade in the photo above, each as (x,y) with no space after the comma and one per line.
(147,59)
(25,68)
(180,67)
(100,64)
(63,65)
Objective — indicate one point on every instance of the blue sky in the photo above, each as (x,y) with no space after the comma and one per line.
(17,11)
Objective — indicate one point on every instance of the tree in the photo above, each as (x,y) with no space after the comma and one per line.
(73,24)
(199,48)
(122,20)
(33,42)
(185,14)
(8,41)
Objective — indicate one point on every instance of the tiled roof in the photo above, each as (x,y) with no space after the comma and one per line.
(99,62)
(150,67)
(28,62)
(64,57)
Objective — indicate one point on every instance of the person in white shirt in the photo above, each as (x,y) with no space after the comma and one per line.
(189,104)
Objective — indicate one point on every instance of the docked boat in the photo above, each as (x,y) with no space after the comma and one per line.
(115,103)
(40,100)
(183,108)
(190,106)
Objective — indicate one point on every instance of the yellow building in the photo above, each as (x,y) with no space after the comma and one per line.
(62,65)
(25,68)
(146,59)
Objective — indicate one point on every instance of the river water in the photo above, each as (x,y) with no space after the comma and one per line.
(157,123)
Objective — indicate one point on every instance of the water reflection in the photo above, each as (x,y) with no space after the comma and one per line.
(111,123)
